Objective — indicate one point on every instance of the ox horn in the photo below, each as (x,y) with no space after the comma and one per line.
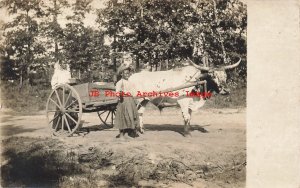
(233,65)
(198,66)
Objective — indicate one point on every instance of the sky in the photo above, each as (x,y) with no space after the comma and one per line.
(90,19)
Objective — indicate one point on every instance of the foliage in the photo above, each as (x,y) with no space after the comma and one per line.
(51,30)
(155,31)
(6,69)
(28,101)
(21,42)
(82,46)
(169,30)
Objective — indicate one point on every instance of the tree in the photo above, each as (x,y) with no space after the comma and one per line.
(169,30)
(21,42)
(220,21)
(158,28)
(77,43)
(52,30)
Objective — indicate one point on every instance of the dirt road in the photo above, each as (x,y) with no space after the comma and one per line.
(214,156)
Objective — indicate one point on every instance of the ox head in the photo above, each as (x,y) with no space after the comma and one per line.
(216,77)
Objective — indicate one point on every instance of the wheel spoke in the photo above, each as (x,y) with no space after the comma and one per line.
(58,97)
(99,114)
(68,126)
(67,98)
(54,118)
(71,118)
(63,102)
(107,116)
(71,104)
(57,123)
(62,123)
(54,102)
(112,118)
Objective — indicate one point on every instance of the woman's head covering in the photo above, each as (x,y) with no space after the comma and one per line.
(126,64)
(122,68)
(127,56)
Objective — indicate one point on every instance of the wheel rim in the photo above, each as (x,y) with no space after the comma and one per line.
(64,110)
(107,117)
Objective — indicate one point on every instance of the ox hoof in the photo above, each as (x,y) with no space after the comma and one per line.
(187,134)
(140,130)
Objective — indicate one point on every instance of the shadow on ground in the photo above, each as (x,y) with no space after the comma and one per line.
(93,128)
(34,163)
(148,127)
(10,130)
(175,128)
(5,119)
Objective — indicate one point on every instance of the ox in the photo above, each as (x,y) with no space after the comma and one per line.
(163,80)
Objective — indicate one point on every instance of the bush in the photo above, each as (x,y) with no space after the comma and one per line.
(26,100)
(236,98)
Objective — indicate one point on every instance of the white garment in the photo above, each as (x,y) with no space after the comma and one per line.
(125,86)
(60,76)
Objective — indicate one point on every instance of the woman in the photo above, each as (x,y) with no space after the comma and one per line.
(127,118)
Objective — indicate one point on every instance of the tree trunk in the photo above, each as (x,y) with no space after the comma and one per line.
(159,67)
(114,64)
(137,64)
(55,21)
(21,80)
(114,58)
(167,64)
(219,37)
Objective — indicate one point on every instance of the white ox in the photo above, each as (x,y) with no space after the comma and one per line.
(163,80)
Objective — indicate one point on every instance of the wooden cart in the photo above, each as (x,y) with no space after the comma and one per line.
(66,104)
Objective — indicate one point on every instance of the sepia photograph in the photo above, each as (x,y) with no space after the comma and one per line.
(123,93)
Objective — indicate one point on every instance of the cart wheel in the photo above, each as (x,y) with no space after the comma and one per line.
(107,117)
(64,110)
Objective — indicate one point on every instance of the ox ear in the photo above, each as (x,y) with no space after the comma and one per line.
(203,76)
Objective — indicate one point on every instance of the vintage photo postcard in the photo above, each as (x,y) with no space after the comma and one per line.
(149,93)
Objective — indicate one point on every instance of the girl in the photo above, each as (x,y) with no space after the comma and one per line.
(127,118)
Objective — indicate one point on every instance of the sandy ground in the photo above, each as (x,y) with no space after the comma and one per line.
(215,153)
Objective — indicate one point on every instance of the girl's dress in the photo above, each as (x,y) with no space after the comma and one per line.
(126,115)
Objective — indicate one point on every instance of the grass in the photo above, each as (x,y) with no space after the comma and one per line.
(27,100)
(35,162)
(236,99)
(47,162)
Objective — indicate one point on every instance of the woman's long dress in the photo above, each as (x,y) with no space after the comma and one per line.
(126,115)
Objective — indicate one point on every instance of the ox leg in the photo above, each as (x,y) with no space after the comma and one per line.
(190,117)
(142,130)
(186,114)
(141,110)
(187,121)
